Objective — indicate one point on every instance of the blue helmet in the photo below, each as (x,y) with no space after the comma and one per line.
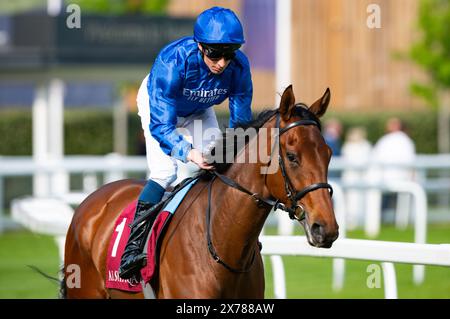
(218,25)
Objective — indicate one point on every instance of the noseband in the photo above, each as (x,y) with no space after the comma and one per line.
(293,195)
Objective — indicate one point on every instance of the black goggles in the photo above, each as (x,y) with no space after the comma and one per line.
(218,51)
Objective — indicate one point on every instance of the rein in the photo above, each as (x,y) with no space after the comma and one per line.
(293,195)
(211,249)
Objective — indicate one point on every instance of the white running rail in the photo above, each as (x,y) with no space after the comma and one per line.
(359,249)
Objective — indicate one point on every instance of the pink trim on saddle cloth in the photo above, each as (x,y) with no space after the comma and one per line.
(120,237)
(116,247)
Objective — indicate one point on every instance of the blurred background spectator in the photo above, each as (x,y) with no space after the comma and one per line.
(356,152)
(395,148)
(392,159)
(332,134)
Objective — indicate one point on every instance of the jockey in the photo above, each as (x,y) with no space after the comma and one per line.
(188,77)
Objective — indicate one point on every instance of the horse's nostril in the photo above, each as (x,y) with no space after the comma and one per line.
(317,231)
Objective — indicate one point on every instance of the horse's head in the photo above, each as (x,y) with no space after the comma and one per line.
(300,181)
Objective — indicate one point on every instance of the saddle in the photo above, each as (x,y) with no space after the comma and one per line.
(166,199)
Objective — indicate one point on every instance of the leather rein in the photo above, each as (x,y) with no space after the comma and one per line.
(293,195)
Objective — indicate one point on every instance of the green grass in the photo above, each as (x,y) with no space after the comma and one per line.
(309,277)
(17,280)
(306,277)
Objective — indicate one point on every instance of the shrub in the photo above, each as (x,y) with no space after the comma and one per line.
(90,132)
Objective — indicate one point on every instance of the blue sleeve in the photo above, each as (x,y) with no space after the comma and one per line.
(164,82)
(241,97)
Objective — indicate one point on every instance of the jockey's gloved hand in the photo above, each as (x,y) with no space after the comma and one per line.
(197,157)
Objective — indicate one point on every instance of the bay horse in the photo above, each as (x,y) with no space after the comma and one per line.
(211,247)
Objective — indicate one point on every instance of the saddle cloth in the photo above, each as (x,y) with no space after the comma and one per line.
(120,236)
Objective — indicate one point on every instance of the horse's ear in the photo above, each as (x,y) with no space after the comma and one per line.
(287,103)
(320,106)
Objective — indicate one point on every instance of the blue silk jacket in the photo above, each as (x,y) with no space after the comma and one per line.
(180,84)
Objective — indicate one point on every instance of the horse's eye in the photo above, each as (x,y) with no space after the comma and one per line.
(292,157)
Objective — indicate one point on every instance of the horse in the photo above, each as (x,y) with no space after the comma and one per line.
(211,247)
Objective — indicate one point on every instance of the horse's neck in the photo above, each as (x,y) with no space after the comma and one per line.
(237,221)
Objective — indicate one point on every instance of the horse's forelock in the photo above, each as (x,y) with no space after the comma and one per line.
(302,111)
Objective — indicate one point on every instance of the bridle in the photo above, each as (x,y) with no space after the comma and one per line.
(293,195)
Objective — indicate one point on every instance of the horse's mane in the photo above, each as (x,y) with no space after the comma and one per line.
(228,139)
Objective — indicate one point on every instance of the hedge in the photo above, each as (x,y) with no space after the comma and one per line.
(15,132)
(90,132)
